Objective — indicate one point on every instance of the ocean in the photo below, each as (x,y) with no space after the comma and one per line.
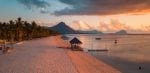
(132,50)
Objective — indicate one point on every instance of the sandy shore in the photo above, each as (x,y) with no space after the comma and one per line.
(87,64)
(43,56)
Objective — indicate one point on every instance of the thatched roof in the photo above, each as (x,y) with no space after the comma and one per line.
(75,41)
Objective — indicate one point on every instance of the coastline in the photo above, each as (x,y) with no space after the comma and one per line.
(43,55)
(86,63)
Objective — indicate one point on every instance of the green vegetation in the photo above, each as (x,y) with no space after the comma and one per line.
(19,30)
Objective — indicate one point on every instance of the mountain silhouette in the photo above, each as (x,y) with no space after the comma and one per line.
(62,28)
(122,32)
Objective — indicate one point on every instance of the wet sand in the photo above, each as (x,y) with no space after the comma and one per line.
(44,56)
(85,63)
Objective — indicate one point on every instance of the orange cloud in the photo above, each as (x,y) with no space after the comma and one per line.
(113,26)
(145,28)
(81,25)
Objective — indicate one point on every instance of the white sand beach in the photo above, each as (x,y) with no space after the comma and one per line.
(43,56)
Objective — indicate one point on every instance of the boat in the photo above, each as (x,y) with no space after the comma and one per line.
(98,38)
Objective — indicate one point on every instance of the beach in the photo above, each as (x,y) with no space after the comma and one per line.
(44,56)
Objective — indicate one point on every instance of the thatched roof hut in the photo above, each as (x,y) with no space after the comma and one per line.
(75,41)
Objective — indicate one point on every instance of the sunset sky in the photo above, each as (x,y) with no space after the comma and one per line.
(102,15)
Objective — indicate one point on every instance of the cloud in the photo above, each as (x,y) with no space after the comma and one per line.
(145,28)
(104,7)
(34,3)
(114,25)
(81,25)
(44,11)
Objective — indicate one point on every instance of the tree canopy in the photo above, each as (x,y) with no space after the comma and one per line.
(19,30)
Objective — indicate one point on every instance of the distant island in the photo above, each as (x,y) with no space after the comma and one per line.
(121,32)
(63,28)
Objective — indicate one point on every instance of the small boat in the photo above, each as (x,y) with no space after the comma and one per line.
(98,38)
(64,37)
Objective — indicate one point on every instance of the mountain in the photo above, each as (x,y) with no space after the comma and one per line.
(89,32)
(62,28)
(121,32)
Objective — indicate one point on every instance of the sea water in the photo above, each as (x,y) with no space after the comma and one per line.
(131,47)
(127,55)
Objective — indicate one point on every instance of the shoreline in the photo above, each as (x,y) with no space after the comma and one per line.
(92,66)
(43,55)
(86,63)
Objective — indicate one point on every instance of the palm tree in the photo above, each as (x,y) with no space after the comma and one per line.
(0,30)
(34,31)
(22,30)
(19,28)
(4,31)
(12,29)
